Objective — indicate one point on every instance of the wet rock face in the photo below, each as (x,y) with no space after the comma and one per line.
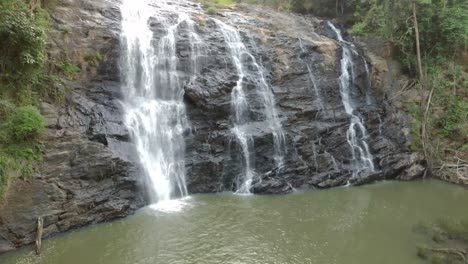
(315,123)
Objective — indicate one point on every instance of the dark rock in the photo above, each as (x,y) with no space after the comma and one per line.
(318,155)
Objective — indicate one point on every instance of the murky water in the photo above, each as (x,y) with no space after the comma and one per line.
(361,225)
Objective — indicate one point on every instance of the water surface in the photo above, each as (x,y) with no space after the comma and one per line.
(358,225)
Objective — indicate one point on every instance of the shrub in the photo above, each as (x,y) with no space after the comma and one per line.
(224,3)
(359,29)
(3,176)
(22,36)
(454,120)
(211,10)
(26,123)
(6,108)
(68,68)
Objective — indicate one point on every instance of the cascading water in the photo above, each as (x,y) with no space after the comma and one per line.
(368,82)
(153,96)
(240,105)
(357,133)
(271,113)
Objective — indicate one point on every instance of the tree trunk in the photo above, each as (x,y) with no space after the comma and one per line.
(425,104)
(418,49)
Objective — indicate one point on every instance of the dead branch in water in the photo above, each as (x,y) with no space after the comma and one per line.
(40,229)
(451,251)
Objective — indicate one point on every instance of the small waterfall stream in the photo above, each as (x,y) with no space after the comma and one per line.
(357,133)
(240,105)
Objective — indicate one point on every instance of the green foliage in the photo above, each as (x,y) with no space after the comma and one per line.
(6,108)
(224,3)
(18,148)
(454,27)
(25,123)
(49,4)
(93,59)
(443,34)
(4,177)
(23,48)
(211,5)
(66,29)
(322,8)
(211,10)
(454,120)
(68,68)
(359,29)
(22,37)
(98,56)
(298,6)
(443,26)
(24,81)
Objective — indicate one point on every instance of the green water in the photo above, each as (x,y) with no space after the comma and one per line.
(359,225)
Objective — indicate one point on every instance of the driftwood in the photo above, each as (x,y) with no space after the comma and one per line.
(451,251)
(40,229)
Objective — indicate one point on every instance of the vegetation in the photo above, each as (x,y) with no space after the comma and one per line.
(212,5)
(211,10)
(24,81)
(442,38)
(25,123)
(68,68)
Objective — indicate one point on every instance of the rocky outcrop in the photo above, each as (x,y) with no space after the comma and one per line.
(318,155)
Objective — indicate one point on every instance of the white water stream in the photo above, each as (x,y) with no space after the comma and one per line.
(240,105)
(357,133)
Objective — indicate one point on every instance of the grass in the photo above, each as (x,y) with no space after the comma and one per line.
(217,4)
(224,3)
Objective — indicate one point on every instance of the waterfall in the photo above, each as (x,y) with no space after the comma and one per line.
(240,105)
(368,82)
(153,96)
(357,133)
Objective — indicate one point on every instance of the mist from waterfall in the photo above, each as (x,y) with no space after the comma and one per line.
(357,133)
(153,95)
(240,106)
